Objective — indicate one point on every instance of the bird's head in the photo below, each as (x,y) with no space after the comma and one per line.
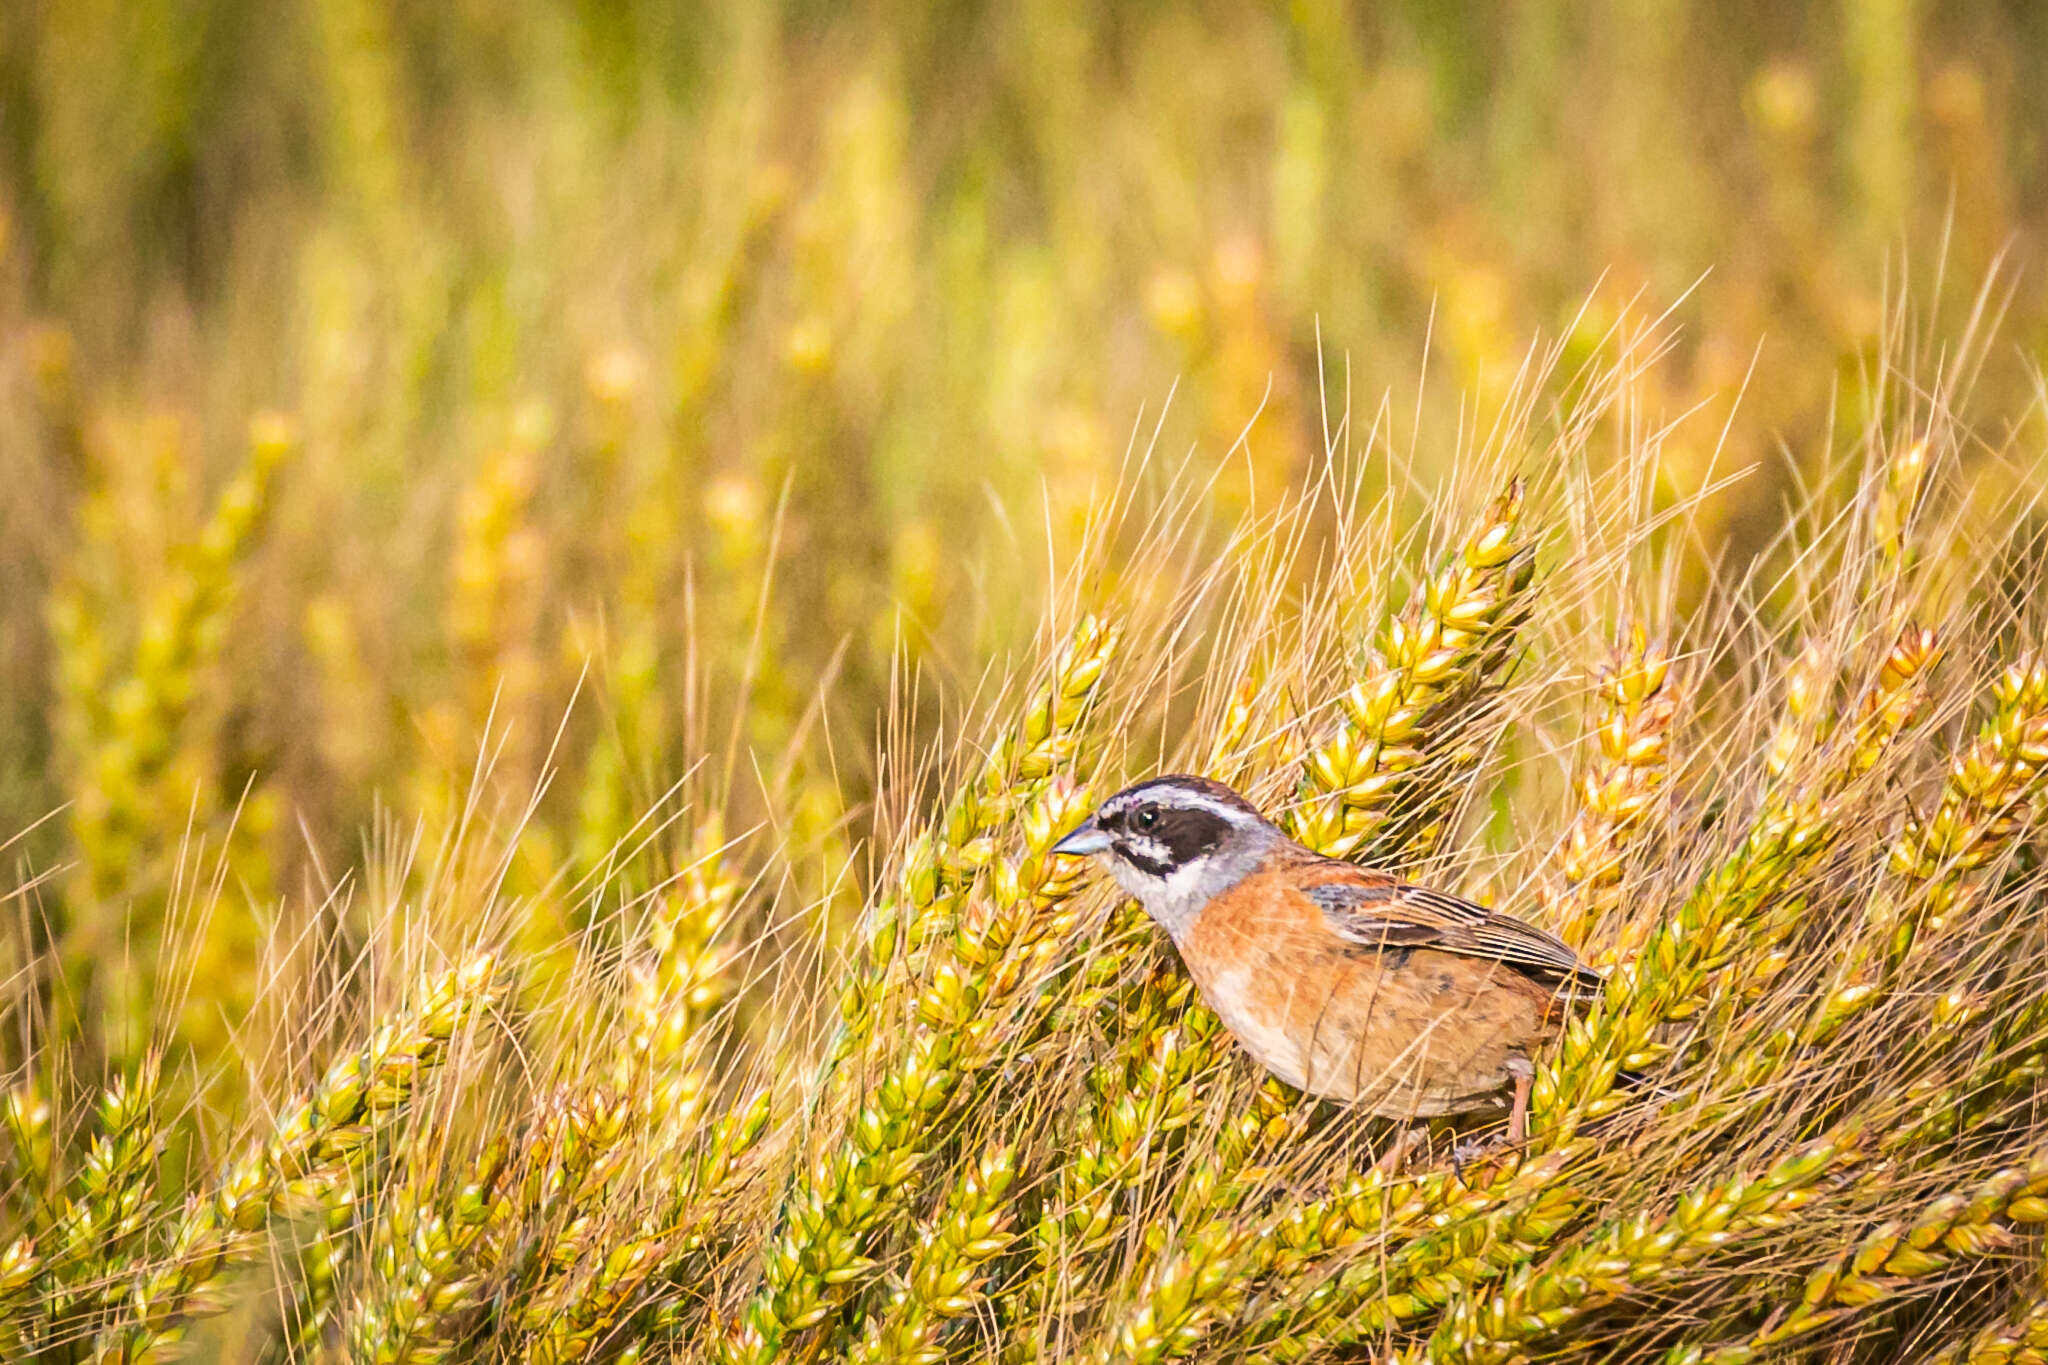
(1175,843)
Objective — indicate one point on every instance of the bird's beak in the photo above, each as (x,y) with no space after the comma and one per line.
(1082,840)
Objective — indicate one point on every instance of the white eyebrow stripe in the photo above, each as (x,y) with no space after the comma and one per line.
(1180,798)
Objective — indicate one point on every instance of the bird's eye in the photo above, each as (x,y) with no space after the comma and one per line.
(1145,819)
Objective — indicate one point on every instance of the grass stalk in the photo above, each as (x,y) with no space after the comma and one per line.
(357,1099)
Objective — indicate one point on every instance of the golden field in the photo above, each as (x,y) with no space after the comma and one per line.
(562,567)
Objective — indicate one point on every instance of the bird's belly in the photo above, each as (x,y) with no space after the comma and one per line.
(1261,1032)
(1397,1036)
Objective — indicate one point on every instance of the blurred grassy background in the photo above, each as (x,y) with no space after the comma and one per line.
(372,370)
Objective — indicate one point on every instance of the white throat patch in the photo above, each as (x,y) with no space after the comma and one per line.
(1175,899)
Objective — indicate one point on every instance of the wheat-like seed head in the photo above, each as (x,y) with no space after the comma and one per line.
(1446,649)
(1632,1253)
(1618,796)
(1896,1259)
(947,1277)
(941,863)
(1007,931)
(323,1133)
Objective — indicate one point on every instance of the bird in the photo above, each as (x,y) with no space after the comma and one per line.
(1345,982)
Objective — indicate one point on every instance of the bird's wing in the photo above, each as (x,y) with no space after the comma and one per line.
(1379,912)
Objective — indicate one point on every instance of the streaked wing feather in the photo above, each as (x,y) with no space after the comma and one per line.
(1386,913)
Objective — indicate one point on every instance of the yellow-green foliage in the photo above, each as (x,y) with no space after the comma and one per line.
(719,371)
(995,1122)
(562,567)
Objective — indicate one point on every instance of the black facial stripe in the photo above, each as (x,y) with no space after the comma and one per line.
(1160,838)
(1189,833)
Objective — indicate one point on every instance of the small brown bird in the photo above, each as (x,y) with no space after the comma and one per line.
(1341,981)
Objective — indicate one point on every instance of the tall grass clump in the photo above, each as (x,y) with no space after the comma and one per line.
(663,1100)
(706,371)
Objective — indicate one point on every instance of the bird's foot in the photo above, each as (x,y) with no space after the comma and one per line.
(1489,1149)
